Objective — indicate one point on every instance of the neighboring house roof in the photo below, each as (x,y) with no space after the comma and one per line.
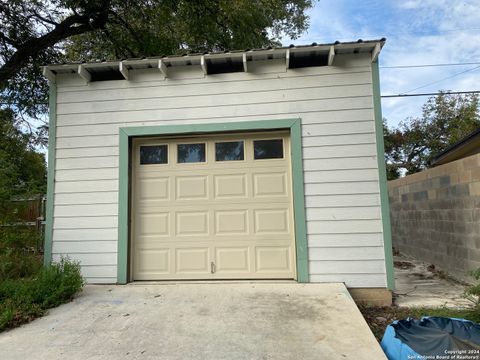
(218,62)
(467,146)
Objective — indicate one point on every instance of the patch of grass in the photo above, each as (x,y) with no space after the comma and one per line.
(19,263)
(18,255)
(378,318)
(24,299)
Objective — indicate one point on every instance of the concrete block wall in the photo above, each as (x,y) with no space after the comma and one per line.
(435,215)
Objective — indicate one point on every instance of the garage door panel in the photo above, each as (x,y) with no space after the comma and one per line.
(150,190)
(226,219)
(232,259)
(192,187)
(232,222)
(270,184)
(192,260)
(192,223)
(156,261)
(273,259)
(271,221)
(230,186)
(155,224)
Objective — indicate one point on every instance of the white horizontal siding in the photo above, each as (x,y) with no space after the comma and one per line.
(341,188)
(97,162)
(344,213)
(100,273)
(343,253)
(86,174)
(93,235)
(83,186)
(164,90)
(87,198)
(348,175)
(343,226)
(96,210)
(338,138)
(345,240)
(206,100)
(336,151)
(87,152)
(333,201)
(100,222)
(365,162)
(361,266)
(89,259)
(78,247)
(151,116)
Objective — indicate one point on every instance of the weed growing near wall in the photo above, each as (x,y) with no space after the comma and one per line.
(24,299)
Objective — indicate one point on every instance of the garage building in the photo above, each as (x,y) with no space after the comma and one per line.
(255,164)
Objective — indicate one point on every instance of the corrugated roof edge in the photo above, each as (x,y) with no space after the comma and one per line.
(440,156)
(228,52)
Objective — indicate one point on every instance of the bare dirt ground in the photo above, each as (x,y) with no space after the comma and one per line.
(420,290)
(421,284)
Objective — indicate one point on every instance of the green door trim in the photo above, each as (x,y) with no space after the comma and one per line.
(52,130)
(294,125)
(387,230)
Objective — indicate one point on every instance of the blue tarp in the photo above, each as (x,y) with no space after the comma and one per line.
(431,337)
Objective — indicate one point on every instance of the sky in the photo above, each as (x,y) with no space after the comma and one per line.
(418,32)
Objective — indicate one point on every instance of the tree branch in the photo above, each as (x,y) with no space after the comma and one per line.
(72,25)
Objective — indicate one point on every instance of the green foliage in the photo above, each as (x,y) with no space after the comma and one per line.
(17,263)
(39,32)
(138,28)
(472,292)
(22,169)
(21,300)
(446,119)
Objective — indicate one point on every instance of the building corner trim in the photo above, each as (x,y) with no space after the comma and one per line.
(382,173)
(52,122)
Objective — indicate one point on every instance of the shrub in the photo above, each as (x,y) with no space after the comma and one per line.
(57,283)
(15,263)
(22,300)
(18,256)
(472,292)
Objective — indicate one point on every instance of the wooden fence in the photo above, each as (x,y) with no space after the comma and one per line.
(27,212)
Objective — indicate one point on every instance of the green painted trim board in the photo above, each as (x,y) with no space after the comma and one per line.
(387,230)
(52,131)
(294,125)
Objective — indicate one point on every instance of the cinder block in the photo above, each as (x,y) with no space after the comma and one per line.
(466,176)
(471,162)
(454,179)
(474,188)
(475,174)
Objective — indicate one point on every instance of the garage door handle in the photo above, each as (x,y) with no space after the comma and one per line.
(212,267)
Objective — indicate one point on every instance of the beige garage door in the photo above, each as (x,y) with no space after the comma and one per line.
(213,207)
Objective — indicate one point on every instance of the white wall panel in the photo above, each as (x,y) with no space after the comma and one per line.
(336,107)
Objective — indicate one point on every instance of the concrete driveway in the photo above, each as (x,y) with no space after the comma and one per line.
(199,321)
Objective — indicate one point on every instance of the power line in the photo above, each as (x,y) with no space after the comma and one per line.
(428,65)
(437,81)
(432,94)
